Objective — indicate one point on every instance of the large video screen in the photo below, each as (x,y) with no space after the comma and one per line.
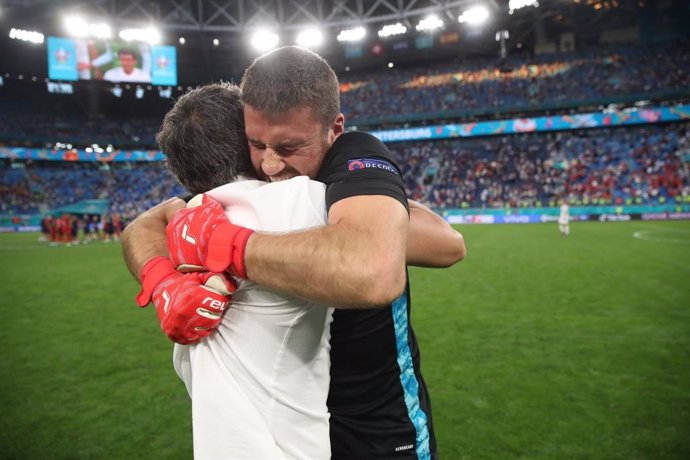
(118,62)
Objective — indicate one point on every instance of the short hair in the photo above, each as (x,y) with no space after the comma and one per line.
(292,77)
(203,138)
(125,50)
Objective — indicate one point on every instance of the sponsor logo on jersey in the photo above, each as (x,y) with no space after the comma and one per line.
(370,163)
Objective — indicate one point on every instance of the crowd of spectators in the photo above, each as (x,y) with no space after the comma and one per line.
(37,187)
(611,166)
(520,82)
(634,165)
(31,117)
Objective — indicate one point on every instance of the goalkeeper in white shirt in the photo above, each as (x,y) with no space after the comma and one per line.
(269,355)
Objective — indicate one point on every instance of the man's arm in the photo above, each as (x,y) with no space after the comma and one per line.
(144,238)
(431,241)
(357,260)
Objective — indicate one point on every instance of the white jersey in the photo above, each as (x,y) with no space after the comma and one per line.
(117,74)
(564,218)
(259,384)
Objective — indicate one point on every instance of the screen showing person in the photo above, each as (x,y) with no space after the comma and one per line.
(128,70)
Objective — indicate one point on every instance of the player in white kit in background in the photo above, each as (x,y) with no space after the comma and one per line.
(269,357)
(564,219)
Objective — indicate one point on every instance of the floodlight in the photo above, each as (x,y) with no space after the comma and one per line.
(390,65)
(77,26)
(153,36)
(502,35)
(310,38)
(264,40)
(430,22)
(100,31)
(392,29)
(518,4)
(149,35)
(216,42)
(26,35)
(352,35)
(182,41)
(475,15)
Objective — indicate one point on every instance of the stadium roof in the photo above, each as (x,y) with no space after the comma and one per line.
(230,22)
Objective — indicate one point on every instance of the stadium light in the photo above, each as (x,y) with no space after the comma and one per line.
(149,35)
(27,35)
(264,40)
(76,26)
(518,4)
(352,35)
(474,16)
(101,30)
(392,29)
(431,22)
(310,38)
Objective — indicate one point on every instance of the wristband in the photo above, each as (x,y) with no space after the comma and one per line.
(223,253)
(154,271)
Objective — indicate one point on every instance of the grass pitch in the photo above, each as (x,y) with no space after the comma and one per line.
(537,346)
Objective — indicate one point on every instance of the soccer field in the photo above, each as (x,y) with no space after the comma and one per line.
(536,346)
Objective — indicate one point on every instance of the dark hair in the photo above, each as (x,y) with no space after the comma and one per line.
(125,50)
(203,138)
(292,77)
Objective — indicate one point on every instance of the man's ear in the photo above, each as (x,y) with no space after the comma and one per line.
(337,128)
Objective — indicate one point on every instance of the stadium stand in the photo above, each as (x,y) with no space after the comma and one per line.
(636,165)
(522,83)
(640,165)
(451,89)
(37,187)
(613,166)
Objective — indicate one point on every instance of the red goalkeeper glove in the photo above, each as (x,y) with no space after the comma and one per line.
(189,305)
(202,237)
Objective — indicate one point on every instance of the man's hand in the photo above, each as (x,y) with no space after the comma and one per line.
(202,237)
(189,305)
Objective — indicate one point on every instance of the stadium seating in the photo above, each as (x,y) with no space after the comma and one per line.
(520,83)
(637,165)
(640,165)
(634,165)
(40,186)
(448,89)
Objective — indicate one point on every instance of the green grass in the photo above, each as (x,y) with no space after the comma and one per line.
(536,346)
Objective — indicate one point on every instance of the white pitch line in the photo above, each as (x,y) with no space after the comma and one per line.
(649,235)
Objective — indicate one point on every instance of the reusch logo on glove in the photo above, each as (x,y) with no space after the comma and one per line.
(370,163)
